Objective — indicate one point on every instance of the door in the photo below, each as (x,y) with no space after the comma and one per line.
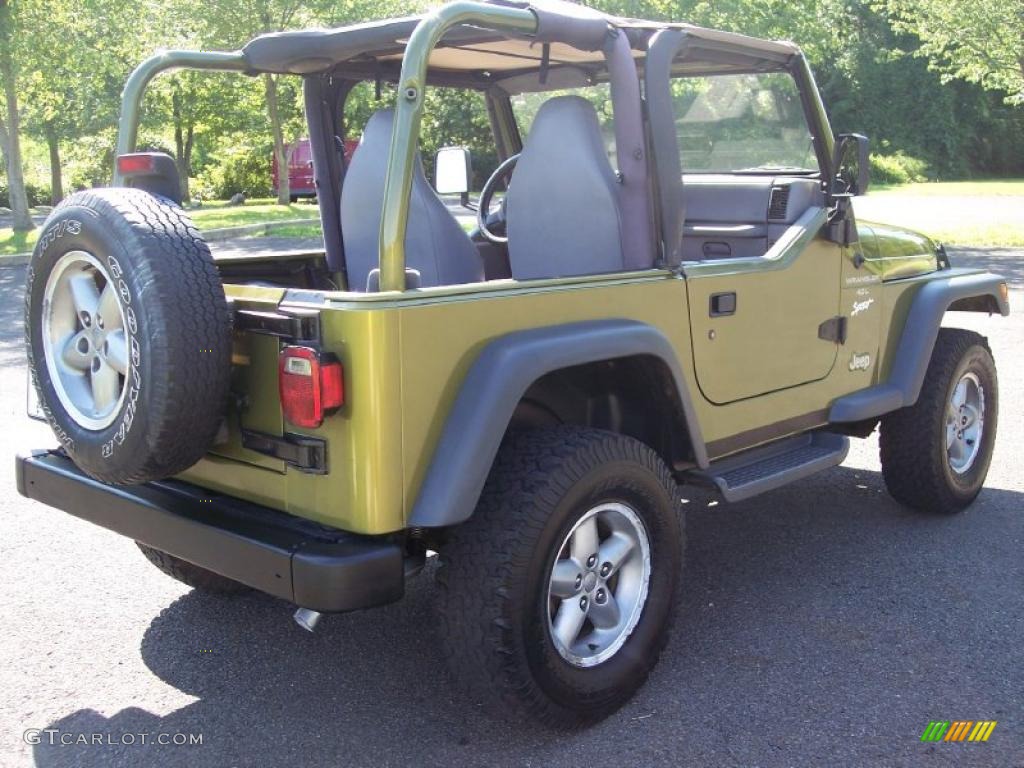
(761,325)
(763,283)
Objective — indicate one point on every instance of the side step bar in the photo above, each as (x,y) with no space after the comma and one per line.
(772,466)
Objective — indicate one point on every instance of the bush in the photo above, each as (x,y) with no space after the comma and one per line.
(237,166)
(37,194)
(88,162)
(897,168)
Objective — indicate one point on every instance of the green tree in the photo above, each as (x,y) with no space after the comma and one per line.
(10,119)
(232,23)
(981,41)
(198,106)
(77,92)
(195,105)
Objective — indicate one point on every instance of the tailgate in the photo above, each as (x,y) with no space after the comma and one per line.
(254,405)
(249,457)
(345,473)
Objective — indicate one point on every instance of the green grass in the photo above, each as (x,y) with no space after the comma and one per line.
(219,215)
(984,235)
(210,216)
(965,213)
(987,188)
(17,242)
(297,230)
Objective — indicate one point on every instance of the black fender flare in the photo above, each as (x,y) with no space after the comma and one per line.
(494,385)
(917,341)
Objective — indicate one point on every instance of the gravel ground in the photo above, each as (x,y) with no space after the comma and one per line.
(821,625)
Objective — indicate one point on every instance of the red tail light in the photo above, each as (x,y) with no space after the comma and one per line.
(310,387)
(141,163)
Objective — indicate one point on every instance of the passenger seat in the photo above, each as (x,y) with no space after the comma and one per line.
(562,204)
(437,250)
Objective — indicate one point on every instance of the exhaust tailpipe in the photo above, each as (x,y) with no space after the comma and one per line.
(307,618)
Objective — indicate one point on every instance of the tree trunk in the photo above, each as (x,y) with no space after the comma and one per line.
(9,130)
(56,177)
(190,136)
(280,150)
(183,140)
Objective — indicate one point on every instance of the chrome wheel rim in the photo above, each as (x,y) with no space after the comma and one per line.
(965,423)
(84,340)
(598,584)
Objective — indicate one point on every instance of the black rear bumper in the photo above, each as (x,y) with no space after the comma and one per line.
(311,565)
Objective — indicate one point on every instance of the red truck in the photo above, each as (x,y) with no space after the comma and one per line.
(301,182)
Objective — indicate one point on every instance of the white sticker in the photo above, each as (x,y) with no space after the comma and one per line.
(861,306)
(860,362)
(863,279)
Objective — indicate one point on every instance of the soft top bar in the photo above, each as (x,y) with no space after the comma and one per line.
(409,113)
(318,50)
(561,22)
(131,97)
(413,39)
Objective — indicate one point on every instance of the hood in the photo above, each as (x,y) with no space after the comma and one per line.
(894,252)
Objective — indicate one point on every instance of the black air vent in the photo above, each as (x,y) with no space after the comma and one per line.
(778,203)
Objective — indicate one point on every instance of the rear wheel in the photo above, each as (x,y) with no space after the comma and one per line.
(936,453)
(192,575)
(558,593)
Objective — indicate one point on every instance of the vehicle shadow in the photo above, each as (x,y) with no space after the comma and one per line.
(819,620)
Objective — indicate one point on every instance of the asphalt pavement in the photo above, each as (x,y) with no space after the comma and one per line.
(821,625)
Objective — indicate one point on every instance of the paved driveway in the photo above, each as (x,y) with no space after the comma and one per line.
(821,625)
(971,218)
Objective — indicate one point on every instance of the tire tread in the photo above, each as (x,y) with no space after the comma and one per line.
(189,326)
(487,553)
(911,466)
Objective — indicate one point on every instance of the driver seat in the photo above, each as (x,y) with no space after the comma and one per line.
(436,247)
(562,206)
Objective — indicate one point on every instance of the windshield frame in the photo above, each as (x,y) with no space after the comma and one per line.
(811,170)
(675,51)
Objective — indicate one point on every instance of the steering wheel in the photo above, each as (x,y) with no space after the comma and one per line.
(502,173)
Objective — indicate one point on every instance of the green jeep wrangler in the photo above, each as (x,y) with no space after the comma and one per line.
(672,290)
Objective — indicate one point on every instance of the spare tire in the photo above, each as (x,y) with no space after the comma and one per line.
(128,335)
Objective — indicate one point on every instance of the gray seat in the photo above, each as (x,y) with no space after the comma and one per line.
(562,205)
(435,245)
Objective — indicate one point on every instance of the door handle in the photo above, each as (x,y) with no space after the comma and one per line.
(715,248)
(722,304)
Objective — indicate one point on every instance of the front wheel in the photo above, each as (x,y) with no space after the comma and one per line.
(936,453)
(557,596)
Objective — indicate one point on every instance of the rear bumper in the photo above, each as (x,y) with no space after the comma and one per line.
(294,559)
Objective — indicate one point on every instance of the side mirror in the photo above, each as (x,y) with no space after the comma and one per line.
(453,168)
(850,164)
